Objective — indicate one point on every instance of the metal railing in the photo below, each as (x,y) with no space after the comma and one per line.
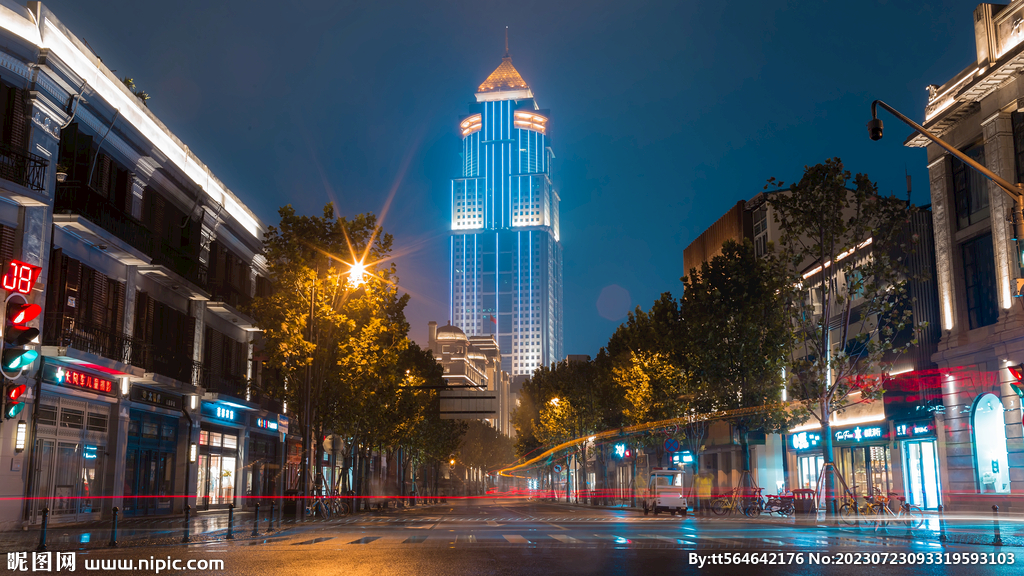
(63,331)
(77,198)
(23,167)
(182,262)
(224,383)
(223,291)
(176,364)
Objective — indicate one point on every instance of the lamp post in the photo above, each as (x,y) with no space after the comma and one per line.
(1016,192)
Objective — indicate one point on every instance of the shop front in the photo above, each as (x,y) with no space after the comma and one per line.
(263,459)
(863,458)
(73,474)
(916,441)
(151,451)
(218,461)
(806,446)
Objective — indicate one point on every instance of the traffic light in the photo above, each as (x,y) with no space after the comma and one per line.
(12,403)
(1018,374)
(16,357)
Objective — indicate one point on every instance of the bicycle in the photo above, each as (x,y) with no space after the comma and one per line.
(726,505)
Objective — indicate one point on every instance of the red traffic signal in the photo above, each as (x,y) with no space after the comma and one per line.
(1018,373)
(16,336)
(12,405)
(20,313)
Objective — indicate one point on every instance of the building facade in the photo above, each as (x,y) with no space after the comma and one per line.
(479,388)
(980,111)
(506,258)
(879,446)
(145,395)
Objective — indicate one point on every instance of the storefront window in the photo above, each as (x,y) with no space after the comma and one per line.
(990,445)
(217,465)
(809,469)
(922,473)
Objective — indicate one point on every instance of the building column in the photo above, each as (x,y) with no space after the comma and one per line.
(120,453)
(943,251)
(999,157)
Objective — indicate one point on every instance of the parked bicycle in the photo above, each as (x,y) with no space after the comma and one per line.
(877,511)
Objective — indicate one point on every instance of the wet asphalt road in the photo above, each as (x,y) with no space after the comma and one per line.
(512,537)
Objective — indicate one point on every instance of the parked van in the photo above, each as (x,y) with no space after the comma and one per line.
(665,493)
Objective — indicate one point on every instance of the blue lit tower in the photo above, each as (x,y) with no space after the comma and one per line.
(506,259)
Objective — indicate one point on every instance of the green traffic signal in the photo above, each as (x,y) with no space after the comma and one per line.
(16,358)
(12,407)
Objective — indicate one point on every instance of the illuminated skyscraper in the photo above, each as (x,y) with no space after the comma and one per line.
(506,259)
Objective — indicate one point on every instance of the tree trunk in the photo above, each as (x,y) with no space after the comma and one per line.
(826,447)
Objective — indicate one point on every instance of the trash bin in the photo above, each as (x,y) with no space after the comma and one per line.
(803,501)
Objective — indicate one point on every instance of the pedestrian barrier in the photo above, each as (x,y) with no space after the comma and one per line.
(231,522)
(187,537)
(256,524)
(942,525)
(42,535)
(113,530)
(997,541)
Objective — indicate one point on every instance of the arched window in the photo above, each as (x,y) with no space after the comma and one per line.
(990,445)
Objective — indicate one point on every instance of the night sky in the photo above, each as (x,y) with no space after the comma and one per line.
(663,114)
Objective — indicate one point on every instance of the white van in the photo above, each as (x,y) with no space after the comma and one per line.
(665,493)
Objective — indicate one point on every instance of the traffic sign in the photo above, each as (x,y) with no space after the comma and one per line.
(671,445)
(558,468)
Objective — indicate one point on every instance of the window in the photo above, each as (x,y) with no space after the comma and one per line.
(970,189)
(980,281)
(990,445)
(70,418)
(97,422)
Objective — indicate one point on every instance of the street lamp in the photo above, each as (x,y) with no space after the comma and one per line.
(1015,192)
(554,401)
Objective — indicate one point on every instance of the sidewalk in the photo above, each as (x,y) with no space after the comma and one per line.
(161,531)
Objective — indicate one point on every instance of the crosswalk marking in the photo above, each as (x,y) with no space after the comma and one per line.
(564,538)
(515,538)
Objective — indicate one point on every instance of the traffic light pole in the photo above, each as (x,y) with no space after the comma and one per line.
(306,416)
(1016,192)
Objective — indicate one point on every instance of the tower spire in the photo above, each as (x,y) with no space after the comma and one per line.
(506,41)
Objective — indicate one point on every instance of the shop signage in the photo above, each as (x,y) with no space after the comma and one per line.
(282,424)
(266,424)
(802,441)
(861,434)
(72,378)
(219,412)
(921,429)
(156,398)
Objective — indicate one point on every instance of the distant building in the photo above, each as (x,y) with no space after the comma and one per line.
(578,358)
(505,275)
(472,367)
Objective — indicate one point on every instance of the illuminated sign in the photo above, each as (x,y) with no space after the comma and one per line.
(89,453)
(915,429)
(804,441)
(225,413)
(859,434)
(149,396)
(267,424)
(69,377)
(20,277)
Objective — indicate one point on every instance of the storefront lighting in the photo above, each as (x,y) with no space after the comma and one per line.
(193,401)
(19,440)
(126,386)
(192,450)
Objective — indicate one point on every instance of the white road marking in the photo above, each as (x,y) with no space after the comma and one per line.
(515,538)
(564,538)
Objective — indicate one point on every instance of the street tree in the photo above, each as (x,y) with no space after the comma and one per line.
(737,340)
(846,250)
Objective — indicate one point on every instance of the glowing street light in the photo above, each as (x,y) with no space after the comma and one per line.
(554,401)
(356,273)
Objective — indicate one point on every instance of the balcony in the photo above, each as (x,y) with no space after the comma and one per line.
(217,383)
(23,168)
(223,291)
(64,332)
(175,364)
(181,262)
(77,198)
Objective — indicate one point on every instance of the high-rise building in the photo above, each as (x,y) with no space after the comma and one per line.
(506,258)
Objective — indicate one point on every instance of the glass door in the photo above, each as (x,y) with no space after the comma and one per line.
(809,469)
(922,473)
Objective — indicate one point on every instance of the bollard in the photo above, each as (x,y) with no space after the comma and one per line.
(256,524)
(997,541)
(231,522)
(270,528)
(42,535)
(906,509)
(113,531)
(187,537)
(942,525)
